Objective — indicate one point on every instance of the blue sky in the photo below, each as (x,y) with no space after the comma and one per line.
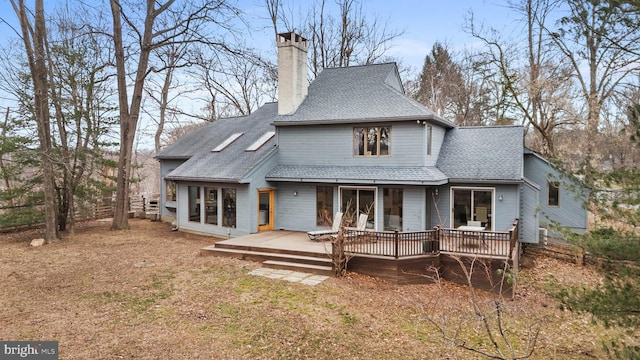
(423,21)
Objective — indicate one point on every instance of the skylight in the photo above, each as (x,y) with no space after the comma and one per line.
(261,141)
(226,143)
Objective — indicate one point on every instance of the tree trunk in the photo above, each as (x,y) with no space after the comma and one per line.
(37,64)
(129,116)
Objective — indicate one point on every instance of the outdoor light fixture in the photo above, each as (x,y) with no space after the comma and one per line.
(295,193)
(500,197)
(436,192)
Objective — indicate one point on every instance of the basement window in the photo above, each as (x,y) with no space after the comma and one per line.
(227,142)
(261,141)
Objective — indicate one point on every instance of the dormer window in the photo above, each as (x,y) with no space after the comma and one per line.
(227,142)
(371,141)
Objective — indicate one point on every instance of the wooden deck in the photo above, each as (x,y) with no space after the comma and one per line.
(399,257)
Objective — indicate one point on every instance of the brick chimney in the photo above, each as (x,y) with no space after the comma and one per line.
(292,72)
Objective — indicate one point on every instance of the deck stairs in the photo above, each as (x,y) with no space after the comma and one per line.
(296,260)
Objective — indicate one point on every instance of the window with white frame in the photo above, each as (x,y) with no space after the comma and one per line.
(472,205)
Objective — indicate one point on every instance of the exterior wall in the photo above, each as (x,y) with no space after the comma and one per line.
(529,221)
(167,209)
(298,212)
(333,145)
(437,138)
(571,212)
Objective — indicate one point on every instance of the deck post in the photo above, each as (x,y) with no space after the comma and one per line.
(396,239)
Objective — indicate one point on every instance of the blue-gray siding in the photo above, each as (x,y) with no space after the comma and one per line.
(333,145)
(529,221)
(571,212)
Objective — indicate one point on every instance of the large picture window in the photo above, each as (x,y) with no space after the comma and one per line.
(371,141)
(472,204)
(355,201)
(194,203)
(324,205)
(211,205)
(229,205)
(392,209)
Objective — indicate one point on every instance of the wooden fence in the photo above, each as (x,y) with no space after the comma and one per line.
(102,209)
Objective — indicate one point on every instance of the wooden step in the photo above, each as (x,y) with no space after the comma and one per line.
(261,256)
(295,266)
(269,250)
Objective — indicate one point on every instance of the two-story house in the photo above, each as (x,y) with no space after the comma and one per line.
(353,139)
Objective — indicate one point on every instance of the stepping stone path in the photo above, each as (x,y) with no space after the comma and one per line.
(290,275)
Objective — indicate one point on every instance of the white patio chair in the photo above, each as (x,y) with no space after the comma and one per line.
(318,234)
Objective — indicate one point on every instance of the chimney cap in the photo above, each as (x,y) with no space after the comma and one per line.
(290,36)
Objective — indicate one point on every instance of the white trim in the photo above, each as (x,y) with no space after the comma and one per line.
(472,188)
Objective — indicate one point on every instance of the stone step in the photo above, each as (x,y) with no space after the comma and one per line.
(295,266)
(261,256)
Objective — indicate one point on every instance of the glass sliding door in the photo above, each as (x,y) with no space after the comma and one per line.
(472,204)
(356,201)
(392,209)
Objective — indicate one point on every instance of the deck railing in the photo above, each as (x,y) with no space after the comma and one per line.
(391,243)
(402,244)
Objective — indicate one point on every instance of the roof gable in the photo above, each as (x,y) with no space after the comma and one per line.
(368,93)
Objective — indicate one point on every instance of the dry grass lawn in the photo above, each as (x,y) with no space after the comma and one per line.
(147,294)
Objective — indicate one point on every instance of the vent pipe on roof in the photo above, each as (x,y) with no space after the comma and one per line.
(292,72)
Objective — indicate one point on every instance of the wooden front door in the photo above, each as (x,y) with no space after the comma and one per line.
(265,209)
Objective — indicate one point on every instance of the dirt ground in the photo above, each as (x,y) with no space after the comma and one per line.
(146,293)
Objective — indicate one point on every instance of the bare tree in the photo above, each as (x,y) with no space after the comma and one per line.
(540,89)
(34,36)
(489,318)
(350,38)
(152,34)
(595,40)
(237,82)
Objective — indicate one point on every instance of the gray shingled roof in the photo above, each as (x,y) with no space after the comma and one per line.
(358,94)
(483,153)
(231,164)
(360,174)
